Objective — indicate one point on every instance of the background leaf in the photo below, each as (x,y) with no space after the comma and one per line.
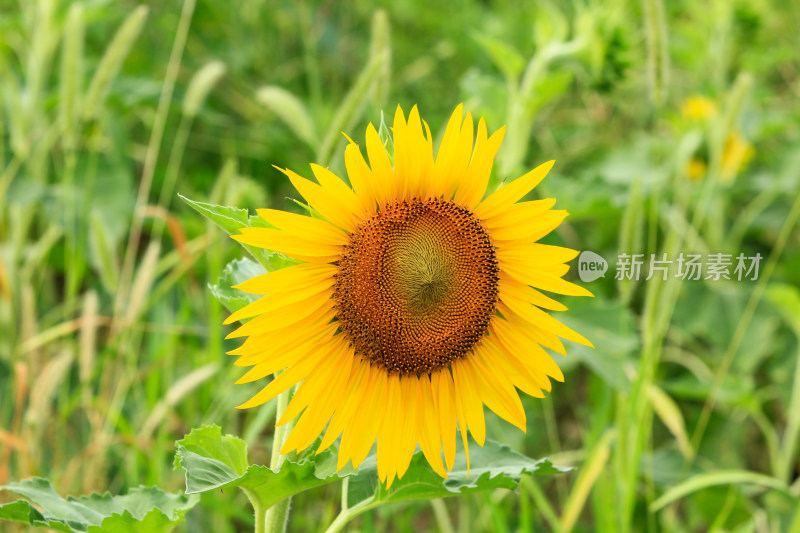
(142,509)
(235,272)
(213,461)
(609,325)
(492,466)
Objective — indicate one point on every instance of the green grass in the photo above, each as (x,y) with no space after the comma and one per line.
(686,417)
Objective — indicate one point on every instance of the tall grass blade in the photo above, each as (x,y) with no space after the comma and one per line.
(71,75)
(712,479)
(112,60)
(291,110)
(589,472)
(351,108)
(201,84)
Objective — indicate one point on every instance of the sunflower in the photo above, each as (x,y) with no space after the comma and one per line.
(416,300)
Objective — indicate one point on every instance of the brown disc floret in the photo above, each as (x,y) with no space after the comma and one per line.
(417,285)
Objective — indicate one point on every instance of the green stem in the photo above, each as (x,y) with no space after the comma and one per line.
(348,514)
(173,170)
(258,511)
(274,519)
(345,490)
(71,223)
(788,455)
(657,50)
(310,62)
(441,516)
(542,503)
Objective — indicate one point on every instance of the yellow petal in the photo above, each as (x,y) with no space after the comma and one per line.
(461,413)
(535,254)
(538,317)
(338,191)
(524,369)
(535,333)
(288,378)
(388,456)
(506,196)
(472,190)
(444,180)
(403,156)
(258,345)
(463,149)
(465,383)
(273,302)
(285,243)
(283,317)
(320,383)
(421,167)
(413,156)
(382,172)
(428,416)
(443,388)
(277,361)
(409,430)
(324,399)
(323,202)
(519,213)
(366,430)
(304,226)
(544,281)
(360,178)
(358,429)
(287,279)
(531,230)
(508,285)
(497,392)
(344,411)
(517,342)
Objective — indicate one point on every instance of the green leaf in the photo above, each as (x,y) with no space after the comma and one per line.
(726,477)
(142,509)
(234,273)
(787,299)
(733,390)
(239,271)
(609,325)
(385,133)
(712,312)
(504,56)
(493,466)
(19,511)
(231,219)
(212,461)
(153,521)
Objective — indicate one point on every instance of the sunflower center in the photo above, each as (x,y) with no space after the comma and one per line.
(417,285)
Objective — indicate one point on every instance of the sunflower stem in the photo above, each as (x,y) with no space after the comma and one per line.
(275,518)
(258,511)
(344,517)
(346,488)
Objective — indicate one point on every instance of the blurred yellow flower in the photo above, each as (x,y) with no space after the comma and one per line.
(698,108)
(735,156)
(696,169)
